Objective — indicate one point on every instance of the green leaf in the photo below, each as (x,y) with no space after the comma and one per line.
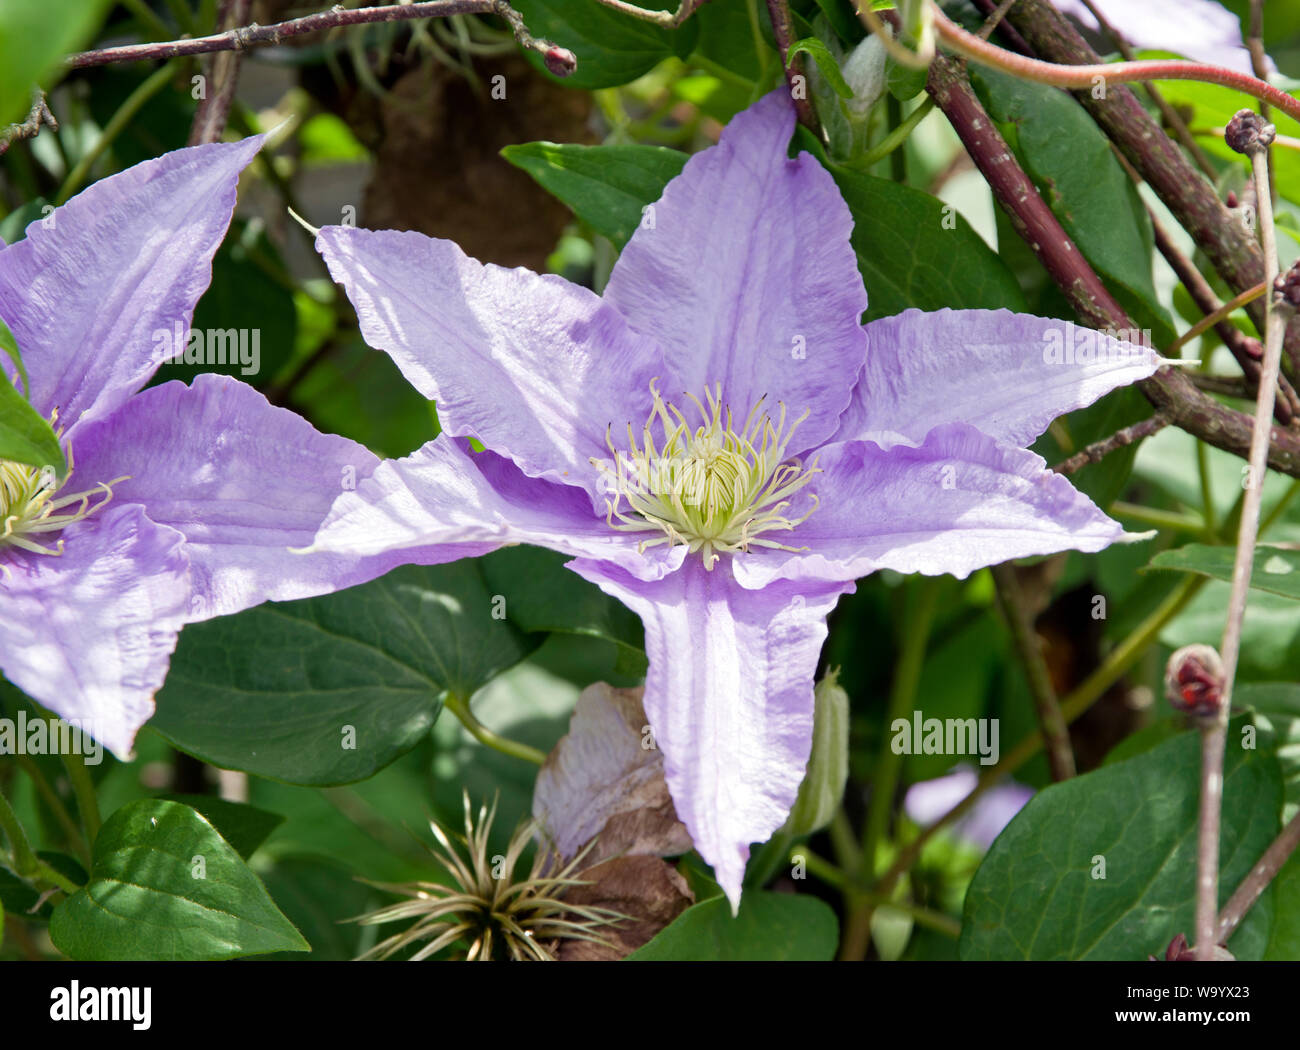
(915,251)
(1072,165)
(903,82)
(10,346)
(24,436)
(611,48)
(328,690)
(770,927)
(1276,569)
(359,393)
(843,19)
(542,595)
(1277,710)
(1035,895)
(33,40)
(319,896)
(826,63)
(245,827)
(1284,940)
(607,187)
(738,47)
(165,885)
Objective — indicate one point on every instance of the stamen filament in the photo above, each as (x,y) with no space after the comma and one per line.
(713,489)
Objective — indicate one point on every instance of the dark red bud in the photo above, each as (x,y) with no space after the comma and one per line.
(1194,681)
(560,60)
(1287,287)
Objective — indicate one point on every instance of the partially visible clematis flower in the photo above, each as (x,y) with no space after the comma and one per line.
(181,500)
(928,800)
(1200,29)
(720,444)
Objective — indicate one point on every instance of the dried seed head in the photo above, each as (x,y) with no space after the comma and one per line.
(488,909)
(1248,132)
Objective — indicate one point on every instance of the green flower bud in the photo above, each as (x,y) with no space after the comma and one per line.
(828,765)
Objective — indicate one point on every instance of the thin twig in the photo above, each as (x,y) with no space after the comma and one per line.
(968,45)
(1259,64)
(904,56)
(1095,452)
(1214,737)
(796,79)
(1218,315)
(1169,391)
(222,77)
(1056,735)
(1257,881)
(1233,250)
(559,61)
(1167,112)
(29,128)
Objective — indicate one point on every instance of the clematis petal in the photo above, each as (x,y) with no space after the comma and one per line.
(94,290)
(729,697)
(534,367)
(440,503)
(1203,30)
(725,280)
(243,481)
(957,503)
(1006,374)
(89,634)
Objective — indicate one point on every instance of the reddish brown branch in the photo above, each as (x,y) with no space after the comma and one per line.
(29,128)
(795,76)
(221,76)
(1171,392)
(559,61)
(1098,450)
(1194,202)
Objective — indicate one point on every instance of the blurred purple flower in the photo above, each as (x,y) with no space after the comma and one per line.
(929,800)
(1199,29)
(182,500)
(738,293)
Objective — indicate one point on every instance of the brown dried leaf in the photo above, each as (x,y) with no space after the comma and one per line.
(601,781)
(646,889)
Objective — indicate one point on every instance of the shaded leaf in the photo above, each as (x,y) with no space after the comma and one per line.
(1036,895)
(769,926)
(165,885)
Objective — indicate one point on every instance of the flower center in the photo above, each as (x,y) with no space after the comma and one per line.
(712,488)
(29,507)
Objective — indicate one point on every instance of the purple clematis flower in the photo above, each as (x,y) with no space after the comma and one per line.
(927,801)
(181,500)
(720,444)
(1200,29)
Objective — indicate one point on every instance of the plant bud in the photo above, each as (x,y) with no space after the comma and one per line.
(828,765)
(1194,681)
(1248,132)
